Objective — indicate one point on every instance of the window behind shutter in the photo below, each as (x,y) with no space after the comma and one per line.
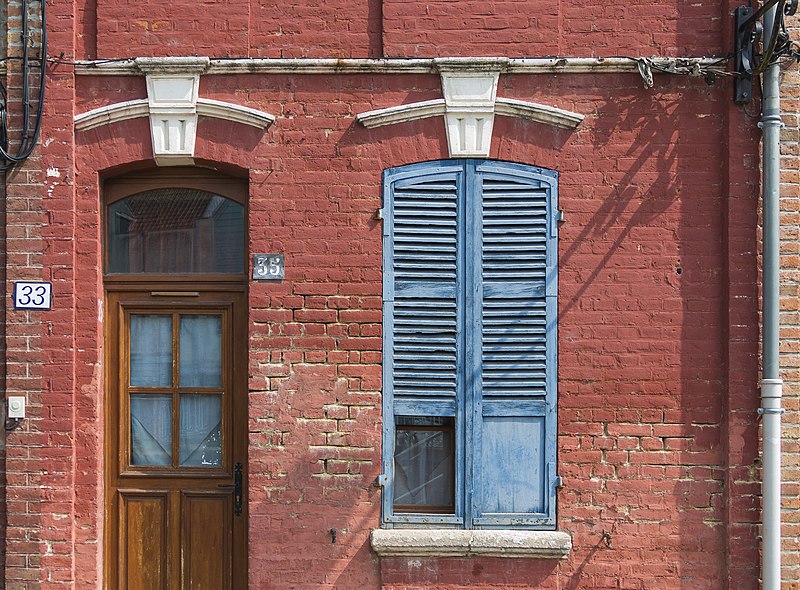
(421,297)
(514,430)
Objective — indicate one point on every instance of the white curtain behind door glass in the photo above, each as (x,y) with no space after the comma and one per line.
(151,350)
(151,429)
(201,351)
(201,430)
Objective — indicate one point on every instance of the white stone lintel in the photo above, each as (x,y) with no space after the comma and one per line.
(172,92)
(133,109)
(467,543)
(173,138)
(172,97)
(234,112)
(171,66)
(172,107)
(339,66)
(469,133)
(540,113)
(466,89)
(402,113)
(470,65)
(120,111)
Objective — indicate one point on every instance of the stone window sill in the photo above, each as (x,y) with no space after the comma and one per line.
(461,543)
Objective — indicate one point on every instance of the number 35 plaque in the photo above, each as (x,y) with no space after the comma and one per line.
(268,267)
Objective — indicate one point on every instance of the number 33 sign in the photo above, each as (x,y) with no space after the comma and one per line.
(32,295)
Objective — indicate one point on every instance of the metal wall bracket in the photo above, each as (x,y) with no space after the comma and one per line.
(746,35)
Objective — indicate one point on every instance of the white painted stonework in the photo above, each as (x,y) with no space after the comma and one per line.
(469,119)
(172,90)
(349,66)
(173,106)
(173,118)
(469,106)
(464,543)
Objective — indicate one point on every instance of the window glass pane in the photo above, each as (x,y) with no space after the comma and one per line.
(176,231)
(201,430)
(151,429)
(151,351)
(423,463)
(201,351)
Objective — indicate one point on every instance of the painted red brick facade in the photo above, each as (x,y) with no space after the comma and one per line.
(658,292)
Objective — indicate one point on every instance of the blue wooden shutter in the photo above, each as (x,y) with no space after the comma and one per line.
(421,319)
(514,344)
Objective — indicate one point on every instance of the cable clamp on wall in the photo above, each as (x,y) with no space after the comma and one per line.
(12,424)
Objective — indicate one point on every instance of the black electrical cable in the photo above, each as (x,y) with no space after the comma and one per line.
(766,59)
(28,140)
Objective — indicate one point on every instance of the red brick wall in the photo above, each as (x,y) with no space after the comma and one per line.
(539,28)
(658,332)
(259,28)
(399,28)
(644,446)
(3,514)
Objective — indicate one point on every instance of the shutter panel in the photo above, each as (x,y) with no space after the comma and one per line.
(515,345)
(423,307)
(469,324)
(422,323)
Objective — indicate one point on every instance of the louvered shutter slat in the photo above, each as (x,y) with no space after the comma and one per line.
(423,263)
(509,267)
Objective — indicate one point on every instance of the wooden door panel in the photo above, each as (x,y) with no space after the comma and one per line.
(206,540)
(173,522)
(143,541)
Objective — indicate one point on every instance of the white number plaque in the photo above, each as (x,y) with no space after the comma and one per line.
(33,295)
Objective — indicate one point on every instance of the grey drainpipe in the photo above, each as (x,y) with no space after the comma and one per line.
(771,383)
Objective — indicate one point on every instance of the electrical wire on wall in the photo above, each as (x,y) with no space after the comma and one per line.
(779,48)
(31,69)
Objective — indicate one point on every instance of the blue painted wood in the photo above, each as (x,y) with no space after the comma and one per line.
(422,319)
(412,406)
(513,272)
(470,330)
(509,290)
(513,465)
(426,289)
(387,427)
(515,439)
(514,407)
(472,325)
(445,521)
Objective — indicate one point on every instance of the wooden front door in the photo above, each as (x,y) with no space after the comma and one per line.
(176,438)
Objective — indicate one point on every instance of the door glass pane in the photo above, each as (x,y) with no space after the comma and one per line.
(201,430)
(176,231)
(201,351)
(151,351)
(151,429)
(424,465)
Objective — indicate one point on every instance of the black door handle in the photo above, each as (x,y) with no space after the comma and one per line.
(236,486)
